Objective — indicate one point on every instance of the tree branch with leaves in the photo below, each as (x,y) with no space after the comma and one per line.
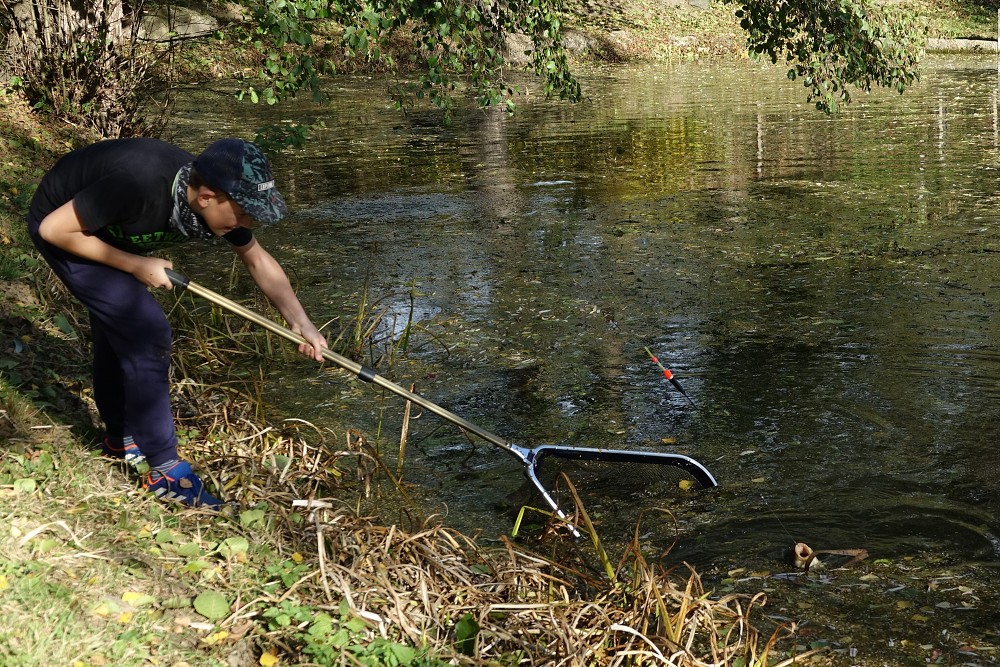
(455,44)
(832,46)
(447,48)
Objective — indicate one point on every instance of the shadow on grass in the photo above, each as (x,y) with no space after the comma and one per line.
(48,368)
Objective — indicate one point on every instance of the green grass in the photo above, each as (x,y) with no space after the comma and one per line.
(109,576)
(78,556)
(953,20)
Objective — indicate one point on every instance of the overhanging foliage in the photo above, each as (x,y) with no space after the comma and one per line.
(830,46)
(451,47)
(452,42)
(834,45)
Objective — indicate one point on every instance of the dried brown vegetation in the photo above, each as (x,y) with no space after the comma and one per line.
(412,585)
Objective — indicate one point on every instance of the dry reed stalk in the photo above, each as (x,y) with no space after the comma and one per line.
(436,575)
(403,434)
(412,586)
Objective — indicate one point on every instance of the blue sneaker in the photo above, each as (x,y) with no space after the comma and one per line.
(127,451)
(181,485)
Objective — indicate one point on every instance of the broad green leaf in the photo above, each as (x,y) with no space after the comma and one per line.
(25,485)
(166,536)
(233,546)
(466,631)
(46,545)
(189,550)
(63,325)
(322,626)
(197,566)
(403,654)
(250,517)
(212,605)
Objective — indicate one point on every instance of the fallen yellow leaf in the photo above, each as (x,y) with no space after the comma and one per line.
(685,484)
(268,659)
(215,637)
(131,597)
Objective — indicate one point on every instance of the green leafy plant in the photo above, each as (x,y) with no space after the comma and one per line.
(85,65)
(466,632)
(833,45)
(287,572)
(453,44)
(17,264)
(327,639)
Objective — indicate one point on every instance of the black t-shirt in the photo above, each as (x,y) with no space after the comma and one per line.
(122,190)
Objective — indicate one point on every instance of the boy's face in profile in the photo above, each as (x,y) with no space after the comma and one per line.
(221,213)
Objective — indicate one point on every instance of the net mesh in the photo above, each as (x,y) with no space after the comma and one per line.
(601,482)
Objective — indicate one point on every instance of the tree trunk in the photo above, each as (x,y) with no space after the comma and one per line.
(47,21)
(82,61)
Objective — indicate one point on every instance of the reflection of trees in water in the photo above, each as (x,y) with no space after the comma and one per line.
(488,169)
(823,286)
(780,230)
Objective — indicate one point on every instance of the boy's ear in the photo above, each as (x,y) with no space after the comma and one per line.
(200,197)
(205,194)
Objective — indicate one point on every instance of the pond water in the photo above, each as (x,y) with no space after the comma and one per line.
(824,288)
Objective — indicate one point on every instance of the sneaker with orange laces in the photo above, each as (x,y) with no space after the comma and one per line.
(180,484)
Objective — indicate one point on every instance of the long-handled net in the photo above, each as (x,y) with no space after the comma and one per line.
(674,467)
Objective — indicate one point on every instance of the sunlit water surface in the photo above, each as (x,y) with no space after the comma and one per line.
(824,288)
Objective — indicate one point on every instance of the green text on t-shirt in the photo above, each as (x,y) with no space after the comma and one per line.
(144,242)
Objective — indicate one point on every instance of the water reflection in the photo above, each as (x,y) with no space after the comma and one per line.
(825,288)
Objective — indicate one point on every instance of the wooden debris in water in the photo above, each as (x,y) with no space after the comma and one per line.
(805,558)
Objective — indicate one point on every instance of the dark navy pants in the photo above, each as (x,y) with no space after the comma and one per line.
(131,341)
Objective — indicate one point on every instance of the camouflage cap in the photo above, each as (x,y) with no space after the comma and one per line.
(240,169)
